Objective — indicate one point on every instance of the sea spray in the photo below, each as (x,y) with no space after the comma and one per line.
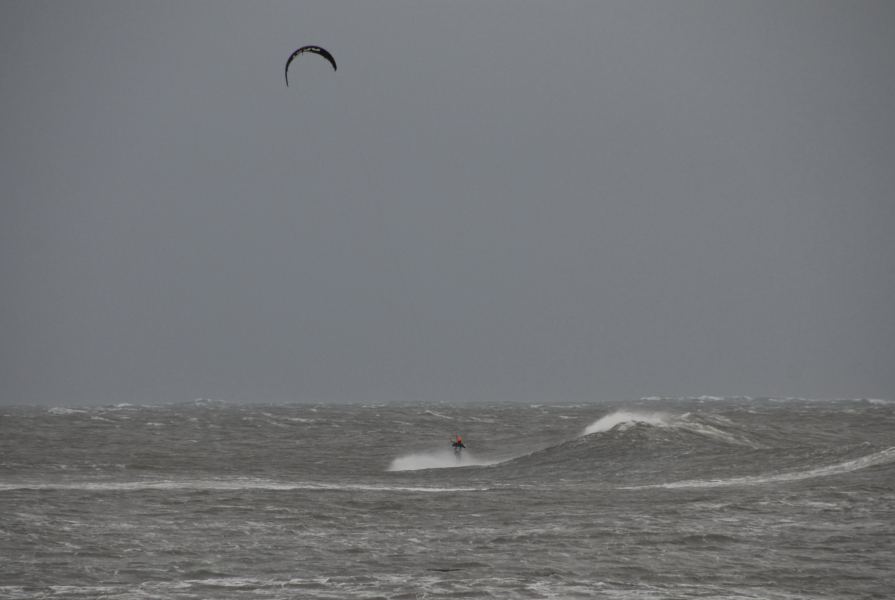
(444,459)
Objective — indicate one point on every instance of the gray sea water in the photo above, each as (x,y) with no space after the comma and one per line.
(659,498)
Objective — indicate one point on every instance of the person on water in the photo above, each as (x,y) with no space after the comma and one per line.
(457,444)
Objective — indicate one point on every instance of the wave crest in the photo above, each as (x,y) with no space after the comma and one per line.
(624,419)
(718,428)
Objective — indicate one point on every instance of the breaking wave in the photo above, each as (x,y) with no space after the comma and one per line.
(716,428)
(624,419)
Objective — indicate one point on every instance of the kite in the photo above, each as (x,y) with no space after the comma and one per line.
(313,50)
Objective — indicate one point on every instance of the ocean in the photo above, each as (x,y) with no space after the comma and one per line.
(735,498)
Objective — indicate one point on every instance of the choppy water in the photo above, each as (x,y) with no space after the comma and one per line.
(661,498)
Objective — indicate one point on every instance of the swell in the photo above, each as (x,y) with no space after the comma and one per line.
(882,457)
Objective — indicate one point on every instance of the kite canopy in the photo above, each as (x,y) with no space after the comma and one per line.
(313,50)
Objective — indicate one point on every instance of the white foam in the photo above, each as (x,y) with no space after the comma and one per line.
(227,582)
(702,398)
(224,485)
(439,415)
(96,591)
(626,419)
(623,419)
(284,418)
(877,458)
(437,460)
(65,411)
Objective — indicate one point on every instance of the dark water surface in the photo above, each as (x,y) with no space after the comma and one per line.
(661,498)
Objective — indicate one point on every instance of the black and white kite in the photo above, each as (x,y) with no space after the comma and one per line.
(313,50)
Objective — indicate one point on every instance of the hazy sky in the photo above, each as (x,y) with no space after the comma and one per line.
(488,201)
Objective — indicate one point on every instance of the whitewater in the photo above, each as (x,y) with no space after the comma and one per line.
(740,498)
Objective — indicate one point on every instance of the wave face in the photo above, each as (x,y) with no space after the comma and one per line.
(658,498)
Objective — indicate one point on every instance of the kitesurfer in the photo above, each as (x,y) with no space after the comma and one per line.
(458,445)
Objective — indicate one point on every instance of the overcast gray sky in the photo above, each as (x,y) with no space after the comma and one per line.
(488,201)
